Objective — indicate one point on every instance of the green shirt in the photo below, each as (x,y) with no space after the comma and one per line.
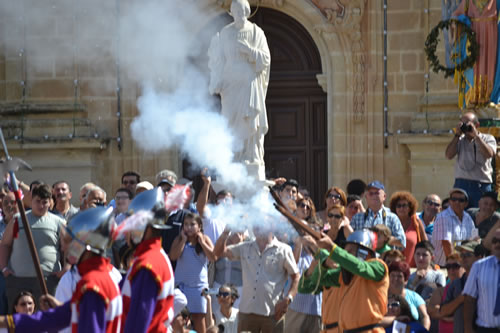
(384,248)
(329,277)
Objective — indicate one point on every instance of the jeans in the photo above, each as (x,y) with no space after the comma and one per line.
(474,189)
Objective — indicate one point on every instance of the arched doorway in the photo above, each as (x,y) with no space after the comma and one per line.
(296,144)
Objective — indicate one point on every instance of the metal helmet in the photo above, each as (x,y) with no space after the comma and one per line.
(365,238)
(90,230)
(148,201)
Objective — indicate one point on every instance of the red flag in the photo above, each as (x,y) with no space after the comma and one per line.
(177,197)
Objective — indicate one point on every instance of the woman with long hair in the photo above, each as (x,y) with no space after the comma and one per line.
(334,196)
(193,249)
(307,211)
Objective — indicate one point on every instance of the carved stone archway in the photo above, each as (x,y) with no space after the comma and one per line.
(336,28)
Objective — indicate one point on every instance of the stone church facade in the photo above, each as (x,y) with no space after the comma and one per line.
(71,120)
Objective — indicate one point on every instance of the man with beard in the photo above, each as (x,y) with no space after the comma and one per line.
(361,282)
(63,207)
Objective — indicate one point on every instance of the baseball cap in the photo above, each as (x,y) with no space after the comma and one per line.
(376,184)
(459,190)
(468,246)
(166,176)
(145,185)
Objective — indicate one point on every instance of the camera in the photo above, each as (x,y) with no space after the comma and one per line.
(466,128)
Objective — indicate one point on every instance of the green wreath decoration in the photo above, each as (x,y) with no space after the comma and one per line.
(432,42)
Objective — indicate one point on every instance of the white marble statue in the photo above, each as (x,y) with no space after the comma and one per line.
(239,62)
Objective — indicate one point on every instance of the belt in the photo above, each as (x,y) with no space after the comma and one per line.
(330,326)
(362,328)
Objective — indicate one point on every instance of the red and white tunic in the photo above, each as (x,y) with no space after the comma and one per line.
(149,256)
(96,275)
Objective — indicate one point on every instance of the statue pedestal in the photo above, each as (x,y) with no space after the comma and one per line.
(256,170)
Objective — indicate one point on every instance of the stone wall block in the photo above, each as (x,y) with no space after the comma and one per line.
(50,89)
(414,82)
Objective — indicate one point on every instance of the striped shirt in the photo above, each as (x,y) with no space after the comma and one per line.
(482,284)
(384,216)
(448,226)
(305,303)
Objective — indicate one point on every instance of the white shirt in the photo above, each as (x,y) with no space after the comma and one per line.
(230,324)
(482,284)
(448,226)
(264,274)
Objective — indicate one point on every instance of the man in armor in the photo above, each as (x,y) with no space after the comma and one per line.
(96,304)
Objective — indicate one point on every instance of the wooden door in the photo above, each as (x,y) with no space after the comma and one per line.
(296,144)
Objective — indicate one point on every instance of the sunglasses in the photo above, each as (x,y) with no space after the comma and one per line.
(337,216)
(405,205)
(223,294)
(393,305)
(334,196)
(432,203)
(303,205)
(452,266)
(461,200)
(495,240)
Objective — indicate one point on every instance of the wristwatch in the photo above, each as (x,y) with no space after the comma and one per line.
(289,298)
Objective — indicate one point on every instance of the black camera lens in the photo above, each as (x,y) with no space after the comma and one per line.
(466,128)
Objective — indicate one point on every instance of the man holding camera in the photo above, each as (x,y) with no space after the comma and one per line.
(474,151)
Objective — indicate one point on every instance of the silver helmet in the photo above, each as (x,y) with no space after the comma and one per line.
(365,238)
(151,202)
(90,230)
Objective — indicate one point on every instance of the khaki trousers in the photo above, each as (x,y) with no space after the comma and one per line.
(250,322)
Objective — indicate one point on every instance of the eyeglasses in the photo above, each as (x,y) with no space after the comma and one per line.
(432,203)
(337,216)
(305,206)
(405,205)
(461,200)
(495,240)
(334,196)
(452,266)
(393,305)
(223,294)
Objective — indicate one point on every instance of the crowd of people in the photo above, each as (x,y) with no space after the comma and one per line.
(133,264)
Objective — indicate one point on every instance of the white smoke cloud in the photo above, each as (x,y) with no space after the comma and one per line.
(154,43)
(182,119)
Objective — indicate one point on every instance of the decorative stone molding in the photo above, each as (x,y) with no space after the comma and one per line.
(323,81)
(346,24)
(330,9)
(226,4)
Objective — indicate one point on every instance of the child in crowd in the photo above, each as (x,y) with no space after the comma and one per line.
(192,249)
(425,279)
(181,323)
(226,315)
(24,303)
(383,236)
